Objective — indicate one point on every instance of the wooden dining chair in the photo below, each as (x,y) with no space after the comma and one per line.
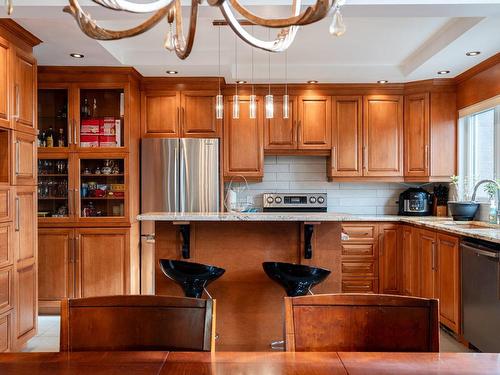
(361,322)
(137,323)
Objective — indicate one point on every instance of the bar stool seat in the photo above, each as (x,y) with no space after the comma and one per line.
(296,279)
(192,277)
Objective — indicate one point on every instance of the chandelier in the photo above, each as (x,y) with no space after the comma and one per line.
(182,43)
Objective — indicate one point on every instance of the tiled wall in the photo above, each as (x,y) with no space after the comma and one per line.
(308,174)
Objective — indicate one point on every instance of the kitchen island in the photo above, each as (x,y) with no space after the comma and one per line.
(249,304)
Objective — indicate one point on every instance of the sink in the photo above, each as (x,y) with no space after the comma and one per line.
(469,225)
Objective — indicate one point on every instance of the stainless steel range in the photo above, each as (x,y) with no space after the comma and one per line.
(294,202)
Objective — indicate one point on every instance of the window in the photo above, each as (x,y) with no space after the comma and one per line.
(479,149)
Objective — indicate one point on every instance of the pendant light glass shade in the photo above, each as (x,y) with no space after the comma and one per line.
(170,38)
(253,106)
(286,109)
(269,106)
(337,27)
(236,106)
(219,107)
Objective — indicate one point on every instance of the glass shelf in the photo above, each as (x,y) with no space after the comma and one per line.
(53,188)
(102,194)
(101,118)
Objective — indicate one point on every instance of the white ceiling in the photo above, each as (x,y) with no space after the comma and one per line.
(395,40)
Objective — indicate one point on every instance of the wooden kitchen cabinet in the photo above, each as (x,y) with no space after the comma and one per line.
(416,135)
(347,132)
(5,332)
(198,114)
(281,133)
(24,159)
(390,259)
(102,262)
(176,114)
(243,142)
(359,258)
(448,280)
(383,135)
(25,266)
(160,114)
(426,240)
(4,83)
(410,270)
(25,82)
(56,259)
(314,123)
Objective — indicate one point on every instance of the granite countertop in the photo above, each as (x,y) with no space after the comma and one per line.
(478,230)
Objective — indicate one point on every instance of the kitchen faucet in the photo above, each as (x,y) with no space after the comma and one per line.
(498,194)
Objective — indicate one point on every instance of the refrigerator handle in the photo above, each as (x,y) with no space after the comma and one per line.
(182,179)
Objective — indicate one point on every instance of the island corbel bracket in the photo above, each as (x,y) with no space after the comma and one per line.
(185,230)
(308,233)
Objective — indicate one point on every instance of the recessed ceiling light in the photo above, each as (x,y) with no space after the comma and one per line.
(172,72)
(473,53)
(241,82)
(382,81)
(312,81)
(77,55)
(443,72)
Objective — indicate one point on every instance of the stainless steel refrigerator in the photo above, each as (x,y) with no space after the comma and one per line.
(177,175)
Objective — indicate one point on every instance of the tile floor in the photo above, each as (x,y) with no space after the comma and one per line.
(47,339)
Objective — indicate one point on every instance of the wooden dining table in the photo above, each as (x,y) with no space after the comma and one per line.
(247,363)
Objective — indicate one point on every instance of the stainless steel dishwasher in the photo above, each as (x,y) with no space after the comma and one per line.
(481,294)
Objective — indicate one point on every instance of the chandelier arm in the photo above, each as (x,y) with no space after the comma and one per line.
(312,14)
(132,7)
(91,29)
(184,51)
(284,39)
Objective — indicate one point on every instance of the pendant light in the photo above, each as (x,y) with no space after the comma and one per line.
(219,99)
(236,98)
(337,27)
(269,100)
(253,97)
(286,98)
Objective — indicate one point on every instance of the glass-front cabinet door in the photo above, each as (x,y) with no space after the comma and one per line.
(54,118)
(102,189)
(55,201)
(101,118)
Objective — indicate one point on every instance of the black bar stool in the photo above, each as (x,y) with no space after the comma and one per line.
(192,277)
(296,279)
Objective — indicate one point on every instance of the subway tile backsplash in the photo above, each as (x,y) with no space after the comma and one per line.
(308,174)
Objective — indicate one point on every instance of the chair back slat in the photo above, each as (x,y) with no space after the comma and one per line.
(361,322)
(137,323)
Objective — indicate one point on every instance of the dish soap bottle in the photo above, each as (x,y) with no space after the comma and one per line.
(493,212)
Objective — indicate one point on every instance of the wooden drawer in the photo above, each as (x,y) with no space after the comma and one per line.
(4,204)
(358,268)
(360,286)
(5,289)
(360,232)
(358,250)
(5,244)
(5,332)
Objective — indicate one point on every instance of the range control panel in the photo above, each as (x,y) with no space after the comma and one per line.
(314,202)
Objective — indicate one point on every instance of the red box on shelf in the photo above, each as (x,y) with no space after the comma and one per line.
(107,141)
(90,126)
(89,140)
(108,126)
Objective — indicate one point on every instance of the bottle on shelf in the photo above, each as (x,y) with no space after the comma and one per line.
(61,141)
(38,138)
(49,141)
(43,139)
(85,110)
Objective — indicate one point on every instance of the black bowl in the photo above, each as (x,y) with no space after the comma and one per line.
(463,211)
(297,279)
(192,277)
